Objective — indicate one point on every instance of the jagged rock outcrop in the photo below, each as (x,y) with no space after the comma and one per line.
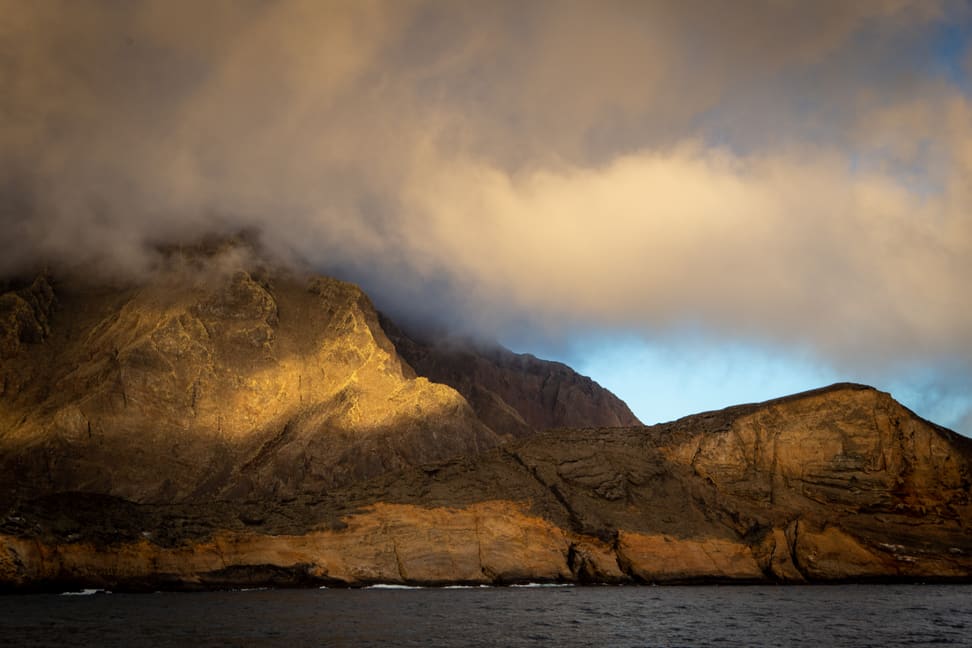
(226,424)
(513,393)
(24,316)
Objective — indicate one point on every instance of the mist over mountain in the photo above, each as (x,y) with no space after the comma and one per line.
(789,175)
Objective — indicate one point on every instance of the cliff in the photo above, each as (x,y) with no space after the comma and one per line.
(229,424)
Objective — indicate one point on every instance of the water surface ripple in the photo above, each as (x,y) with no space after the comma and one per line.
(836,615)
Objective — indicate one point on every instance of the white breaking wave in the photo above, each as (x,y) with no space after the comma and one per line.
(86,592)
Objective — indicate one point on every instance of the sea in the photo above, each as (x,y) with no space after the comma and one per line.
(821,615)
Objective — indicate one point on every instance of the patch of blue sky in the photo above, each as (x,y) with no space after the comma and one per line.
(951,48)
(666,379)
(662,382)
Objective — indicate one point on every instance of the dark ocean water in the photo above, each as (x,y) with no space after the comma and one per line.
(845,615)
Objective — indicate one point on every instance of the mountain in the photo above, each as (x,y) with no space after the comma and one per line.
(220,378)
(223,422)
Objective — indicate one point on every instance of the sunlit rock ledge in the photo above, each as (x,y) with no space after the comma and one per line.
(490,543)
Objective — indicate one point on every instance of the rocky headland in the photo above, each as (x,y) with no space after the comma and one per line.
(225,423)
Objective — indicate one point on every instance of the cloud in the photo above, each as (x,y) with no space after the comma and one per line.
(790,247)
(786,172)
(157,121)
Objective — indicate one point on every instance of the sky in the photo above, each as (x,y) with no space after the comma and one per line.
(697,203)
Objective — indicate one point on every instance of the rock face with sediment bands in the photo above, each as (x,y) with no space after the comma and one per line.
(227,425)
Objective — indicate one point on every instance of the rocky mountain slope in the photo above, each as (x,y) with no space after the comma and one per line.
(212,381)
(226,424)
(517,393)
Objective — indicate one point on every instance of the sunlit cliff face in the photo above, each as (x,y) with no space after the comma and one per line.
(785,174)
